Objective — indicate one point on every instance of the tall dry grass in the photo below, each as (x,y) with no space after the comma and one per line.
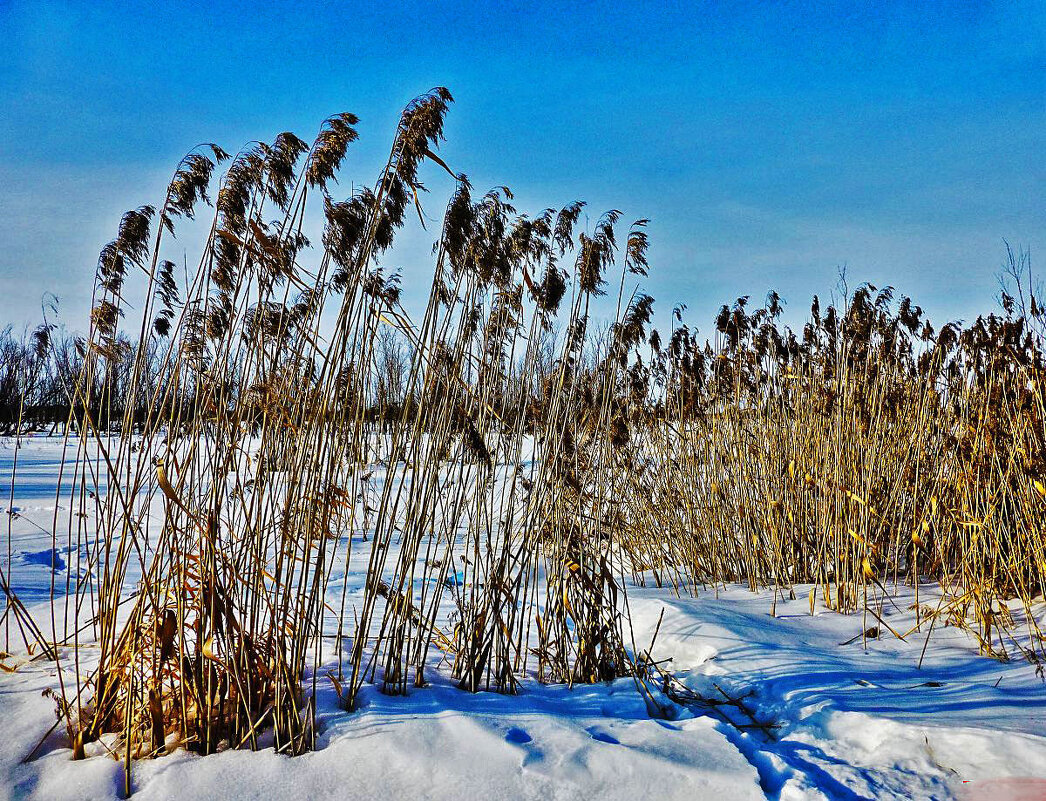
(503,456)
(221,460)
(867,450)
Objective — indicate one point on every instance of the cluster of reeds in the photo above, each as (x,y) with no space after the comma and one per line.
(220,464)
(502,457)
(867,449)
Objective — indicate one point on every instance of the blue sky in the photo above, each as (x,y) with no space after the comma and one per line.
(769,144)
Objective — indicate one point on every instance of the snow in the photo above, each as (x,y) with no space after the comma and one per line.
(774,702)
(857,720)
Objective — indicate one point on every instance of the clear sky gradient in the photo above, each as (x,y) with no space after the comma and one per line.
(769,144)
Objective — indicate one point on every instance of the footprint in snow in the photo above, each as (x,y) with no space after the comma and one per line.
(517,736)
(531,756)
(603,737)
(47,558)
